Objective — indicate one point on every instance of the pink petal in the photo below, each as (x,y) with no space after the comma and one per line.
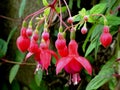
(45,59)
(85,63)
(28,56)
(62,63)
(54,54)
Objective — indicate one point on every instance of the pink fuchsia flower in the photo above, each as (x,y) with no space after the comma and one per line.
(45,55)
(106,37)
(60,45)
(73,63)
(23,41)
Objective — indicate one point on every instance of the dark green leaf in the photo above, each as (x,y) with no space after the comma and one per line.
(78,3)
(104,76)
(70,4)
(3,48)
(99,8)
(13,72)
(112,83)
(15,85)
(22,8)
(38,77)
(19,57)
(11,34)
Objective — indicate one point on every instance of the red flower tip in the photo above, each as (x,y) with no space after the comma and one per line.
(23,43)
(84,30)
(29,32)
(70,20)
(106,39)
(45,35)
(106,29)
(35,35)
(33,47)
(23,32)
(60,43)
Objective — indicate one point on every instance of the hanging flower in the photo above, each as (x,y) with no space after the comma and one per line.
(73,63)
(106,37)
(23,41)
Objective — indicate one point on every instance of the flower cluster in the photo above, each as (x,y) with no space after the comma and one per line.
(67,56)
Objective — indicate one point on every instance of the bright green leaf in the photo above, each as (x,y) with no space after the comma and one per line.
(22,8)
(3,48)
(13,72)
(47,12)
(45,3)
(87,38)
(82,12)
(38,77)
(63,9)
(11,34)
(103,77)
(99,8)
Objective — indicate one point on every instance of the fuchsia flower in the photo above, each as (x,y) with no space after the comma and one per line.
(73,63)
(23,41)
(60,44)
(106,37)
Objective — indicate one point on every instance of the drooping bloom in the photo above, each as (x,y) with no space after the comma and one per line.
(23,41)
(73,63)
(60,45)
(106,37)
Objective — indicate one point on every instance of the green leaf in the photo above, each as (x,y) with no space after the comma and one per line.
(78,3)
(63,9)
(99,8)
(15,85)
(90,48)
(87,38)
(70,4)
(83,12)
(97,30)
(19,57)
(3,48)
(13,72)
(38,77)
(77,18)
(11,34)
(45,3)
(22,8)
(103,77)
(47,12)
(112,83)
(113,20)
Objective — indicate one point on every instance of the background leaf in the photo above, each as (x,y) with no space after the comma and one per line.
(99,8)
(11,34)
(13,72)
(38,77)
(104,76)
(3,48)
(22,8)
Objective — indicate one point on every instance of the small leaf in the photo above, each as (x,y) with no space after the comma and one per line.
(63,9)
(38,77)
(11,34)
(22,8)
(13,72)
(82,12)
(78,3)
(45,3)
(104,76)
(3,48)
(99,8)
(47,12)
(70,4)
(90,48)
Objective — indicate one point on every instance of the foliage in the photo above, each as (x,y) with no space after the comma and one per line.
(94,18)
